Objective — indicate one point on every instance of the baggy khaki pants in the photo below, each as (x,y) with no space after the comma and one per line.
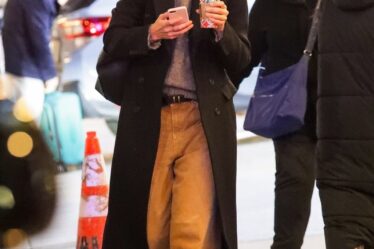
(182,207)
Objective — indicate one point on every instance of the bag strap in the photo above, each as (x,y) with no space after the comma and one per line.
(313,33)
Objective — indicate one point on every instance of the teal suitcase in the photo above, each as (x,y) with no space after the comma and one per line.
(62,128)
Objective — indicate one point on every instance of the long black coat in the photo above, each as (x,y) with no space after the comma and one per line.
(139,121)
(345,122)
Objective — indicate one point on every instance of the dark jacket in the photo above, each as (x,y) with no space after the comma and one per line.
(345,122)
(139,121)
(26,37)
(278,31)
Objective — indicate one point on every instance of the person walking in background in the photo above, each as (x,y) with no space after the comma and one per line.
(278,32)
(28,60)
(345,121)
(173,179)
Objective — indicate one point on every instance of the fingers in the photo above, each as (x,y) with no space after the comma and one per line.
(179,30)
(219,4)
(166,28)
(175,21)
(172,28)
(218,20)
(182,26)
(217,8)
(217,17)
(164,16)
(217,12)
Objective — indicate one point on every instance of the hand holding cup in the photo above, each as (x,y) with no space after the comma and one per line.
(213,14)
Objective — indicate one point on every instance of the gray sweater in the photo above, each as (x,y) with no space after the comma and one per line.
(179,78)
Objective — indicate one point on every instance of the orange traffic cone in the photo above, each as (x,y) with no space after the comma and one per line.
(94,196)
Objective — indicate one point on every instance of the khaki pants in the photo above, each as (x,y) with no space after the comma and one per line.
(182,207)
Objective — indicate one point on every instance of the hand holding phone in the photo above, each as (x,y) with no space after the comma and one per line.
(170,24)
(179,12)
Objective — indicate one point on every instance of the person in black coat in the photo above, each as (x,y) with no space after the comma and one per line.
(178,78)
(345,123)
(278,31)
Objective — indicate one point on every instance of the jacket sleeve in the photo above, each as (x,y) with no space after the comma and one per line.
(127,34)
(234,47)
(39,20)
(257,34)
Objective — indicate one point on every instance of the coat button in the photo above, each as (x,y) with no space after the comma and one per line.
(136,109)
(141,79)
(217,111)
(211,82)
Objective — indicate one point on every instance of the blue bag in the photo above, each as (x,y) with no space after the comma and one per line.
(278,104)
(279,101)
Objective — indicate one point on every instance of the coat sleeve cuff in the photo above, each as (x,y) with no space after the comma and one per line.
(218,35)
(153,45)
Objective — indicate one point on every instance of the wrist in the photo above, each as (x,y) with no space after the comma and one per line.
(220,28)
(152,34)
(153,42)
(218,34)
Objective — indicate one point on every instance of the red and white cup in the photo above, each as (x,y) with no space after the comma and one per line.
(205,22)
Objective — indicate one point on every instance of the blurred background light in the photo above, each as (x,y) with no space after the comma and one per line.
(5,87)
(6,198)
(14,237)
(20,144)
(22,112)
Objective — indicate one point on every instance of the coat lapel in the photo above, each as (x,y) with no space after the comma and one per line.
(195,17)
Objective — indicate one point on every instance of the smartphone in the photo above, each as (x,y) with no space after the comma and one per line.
(180,12)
